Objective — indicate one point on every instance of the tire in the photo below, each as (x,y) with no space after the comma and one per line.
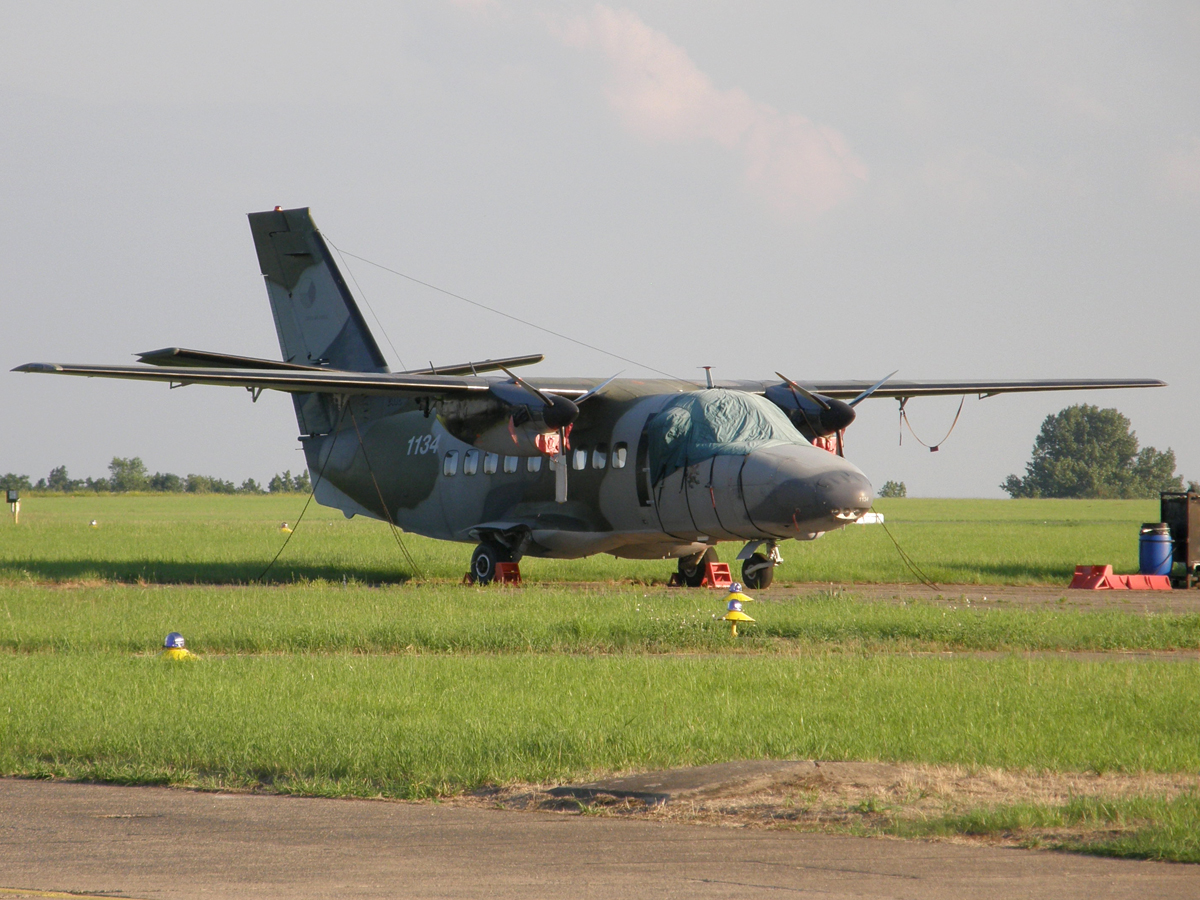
(691,568)
(757,572)
(484,560)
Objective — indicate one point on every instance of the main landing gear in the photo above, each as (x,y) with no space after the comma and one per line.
(691,568)
(485,558)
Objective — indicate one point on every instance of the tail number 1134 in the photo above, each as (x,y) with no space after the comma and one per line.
(421,444)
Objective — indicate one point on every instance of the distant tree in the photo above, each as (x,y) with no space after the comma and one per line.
(218,486)
(13,482)
(128,474)
(59,480)
(281,483)
(286,484)
(250,486)
(1085,451)
(1194,487)
(893,489)
(97,484)
(198,484)
(166,481)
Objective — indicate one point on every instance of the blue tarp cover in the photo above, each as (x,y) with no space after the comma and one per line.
(698,426)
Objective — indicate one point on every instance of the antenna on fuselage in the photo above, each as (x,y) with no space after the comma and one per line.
(708,375)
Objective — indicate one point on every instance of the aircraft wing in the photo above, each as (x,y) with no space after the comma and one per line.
(300,380)
(848,390)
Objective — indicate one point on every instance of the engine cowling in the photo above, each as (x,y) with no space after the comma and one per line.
(811,420)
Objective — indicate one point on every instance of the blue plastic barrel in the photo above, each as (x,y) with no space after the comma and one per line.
(1154,549)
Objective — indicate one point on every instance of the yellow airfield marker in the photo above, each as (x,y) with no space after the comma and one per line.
(174,648)
(734,615)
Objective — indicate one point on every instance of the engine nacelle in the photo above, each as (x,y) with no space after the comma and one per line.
(810,419)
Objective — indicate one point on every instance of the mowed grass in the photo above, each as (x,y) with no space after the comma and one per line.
(342,675)
(219,539)
(414,726)
(332,618)
(1129,827)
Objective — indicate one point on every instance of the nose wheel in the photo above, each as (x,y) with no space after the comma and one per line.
(758,571)
(485,558)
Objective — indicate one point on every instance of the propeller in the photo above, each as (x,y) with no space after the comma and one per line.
(835,415)
(560,414)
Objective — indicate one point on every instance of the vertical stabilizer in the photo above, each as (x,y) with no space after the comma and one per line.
(317,320)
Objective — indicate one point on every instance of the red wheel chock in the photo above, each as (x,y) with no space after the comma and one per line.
(1102,578)
(506,573)
(716,575)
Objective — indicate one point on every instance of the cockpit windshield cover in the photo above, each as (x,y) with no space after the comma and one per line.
(695,427)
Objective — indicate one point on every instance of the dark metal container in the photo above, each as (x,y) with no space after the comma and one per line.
(1180,510)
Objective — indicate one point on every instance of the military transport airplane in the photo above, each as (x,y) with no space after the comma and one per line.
(548,467)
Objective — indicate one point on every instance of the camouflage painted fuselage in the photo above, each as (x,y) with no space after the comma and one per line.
(410,469)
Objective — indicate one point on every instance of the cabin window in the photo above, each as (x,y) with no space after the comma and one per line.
(579,459)
(450,465)
(620,451)
(600,456)
(489,463)
(471,462)
(510,464)
(533,464)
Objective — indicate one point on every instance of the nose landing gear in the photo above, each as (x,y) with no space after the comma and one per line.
(758,569)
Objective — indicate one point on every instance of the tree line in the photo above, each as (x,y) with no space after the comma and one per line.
(1087,452)
(131,475)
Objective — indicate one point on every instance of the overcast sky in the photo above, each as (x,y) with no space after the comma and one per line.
(831,190)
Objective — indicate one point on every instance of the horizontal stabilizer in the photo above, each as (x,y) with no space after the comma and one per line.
(475,368)
(181,356)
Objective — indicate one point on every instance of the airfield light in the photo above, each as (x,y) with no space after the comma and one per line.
(14,503)
(175,647)
(734,614)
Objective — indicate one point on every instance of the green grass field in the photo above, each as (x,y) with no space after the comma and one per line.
(219,539)
(382,685)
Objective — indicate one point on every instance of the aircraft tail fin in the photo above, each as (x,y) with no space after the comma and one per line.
(316,318)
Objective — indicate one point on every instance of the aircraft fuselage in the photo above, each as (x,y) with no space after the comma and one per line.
(410,469)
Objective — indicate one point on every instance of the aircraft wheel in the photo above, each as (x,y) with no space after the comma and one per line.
(757,572)
(484,560)
(691,568)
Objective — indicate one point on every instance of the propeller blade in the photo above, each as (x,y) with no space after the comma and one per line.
(596,390)
(517,379)
(809,395)
(841,445)
(558,411)
(869,391)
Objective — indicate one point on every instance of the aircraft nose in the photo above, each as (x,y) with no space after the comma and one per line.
(801,490)
(845,493)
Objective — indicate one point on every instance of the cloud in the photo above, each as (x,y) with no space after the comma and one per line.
(795,164)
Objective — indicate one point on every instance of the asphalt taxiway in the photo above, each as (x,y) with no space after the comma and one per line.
(86,839)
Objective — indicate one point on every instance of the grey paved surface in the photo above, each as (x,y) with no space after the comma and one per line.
(153,842)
